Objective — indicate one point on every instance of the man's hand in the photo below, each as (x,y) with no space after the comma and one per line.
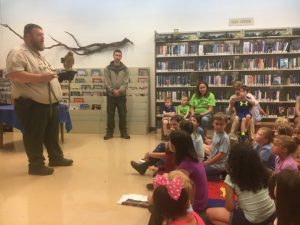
(116,93)
(46,77)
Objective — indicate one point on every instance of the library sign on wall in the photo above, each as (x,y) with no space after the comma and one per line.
(267,60)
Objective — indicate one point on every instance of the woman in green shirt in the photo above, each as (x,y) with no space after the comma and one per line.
(202,103)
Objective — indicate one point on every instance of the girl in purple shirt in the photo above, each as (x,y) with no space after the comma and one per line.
(187,160)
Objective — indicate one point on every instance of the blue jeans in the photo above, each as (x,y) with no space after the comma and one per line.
(201,132)
(205,120)
(213,173)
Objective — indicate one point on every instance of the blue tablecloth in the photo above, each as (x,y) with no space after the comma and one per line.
(8,116)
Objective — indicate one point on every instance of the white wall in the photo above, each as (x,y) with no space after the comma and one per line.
(93,21)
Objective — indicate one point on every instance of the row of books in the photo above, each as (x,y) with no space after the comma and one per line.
(175,95)
(85,87)
(192,49)
(261,95)
(212,80)
(262,46)
(86,106)
(101,92)
(227,79)
(258,63)
(83,80)
(275,95)
(223,48)
(276,111)
(295,45)
(173,80)
(270,63)
(262,79)
(175,49)
(270,79)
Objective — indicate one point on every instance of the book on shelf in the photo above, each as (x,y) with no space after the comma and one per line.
(96,107)
(75,93)
(291,112)
(143,80)
(246,47)
(98,86)
(86,87)
(78,100)
(283,63)
(84,106)
(65,100)
(79,80)
(285,48)
(81,73)
(276,79)
(143,72)
(97,80)
(101,92)
(95,72)
(200,49)
(87,93)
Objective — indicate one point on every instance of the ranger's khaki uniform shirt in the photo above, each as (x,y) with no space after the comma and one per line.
(25,59)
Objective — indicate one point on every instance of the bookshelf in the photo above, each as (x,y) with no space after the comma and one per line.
(5,89)
(267,60)
(88,101)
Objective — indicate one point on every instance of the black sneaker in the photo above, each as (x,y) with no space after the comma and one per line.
(125,136)
(108,136)
(61,162)
(141,168)
(150,187)
(40,170)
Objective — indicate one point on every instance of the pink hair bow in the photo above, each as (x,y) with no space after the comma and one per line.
(173,186)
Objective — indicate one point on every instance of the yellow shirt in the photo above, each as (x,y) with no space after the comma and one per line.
(25,59)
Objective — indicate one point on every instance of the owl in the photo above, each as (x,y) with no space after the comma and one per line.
(68,61)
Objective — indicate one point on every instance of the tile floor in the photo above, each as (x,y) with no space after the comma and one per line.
(86,193)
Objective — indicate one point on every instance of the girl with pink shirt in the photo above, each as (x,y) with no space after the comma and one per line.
(284,146)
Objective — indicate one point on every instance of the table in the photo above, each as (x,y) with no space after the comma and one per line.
(8,116)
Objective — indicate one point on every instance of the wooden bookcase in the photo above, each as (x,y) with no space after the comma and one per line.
(267,60)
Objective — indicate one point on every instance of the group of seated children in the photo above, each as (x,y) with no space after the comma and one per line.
(245,168)
(243,108)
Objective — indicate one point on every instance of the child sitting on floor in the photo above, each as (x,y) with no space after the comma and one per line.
(156,217)
(296,156)
(284,146)
(171,201)
(156,157)
(215,164)
(279,122)
(196,137)
(285,129)
(263,140)
(284,189)
(247,179)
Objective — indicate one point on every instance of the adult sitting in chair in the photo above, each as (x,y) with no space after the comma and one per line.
(202,103)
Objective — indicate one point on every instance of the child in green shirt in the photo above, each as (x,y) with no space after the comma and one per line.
(183,109)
